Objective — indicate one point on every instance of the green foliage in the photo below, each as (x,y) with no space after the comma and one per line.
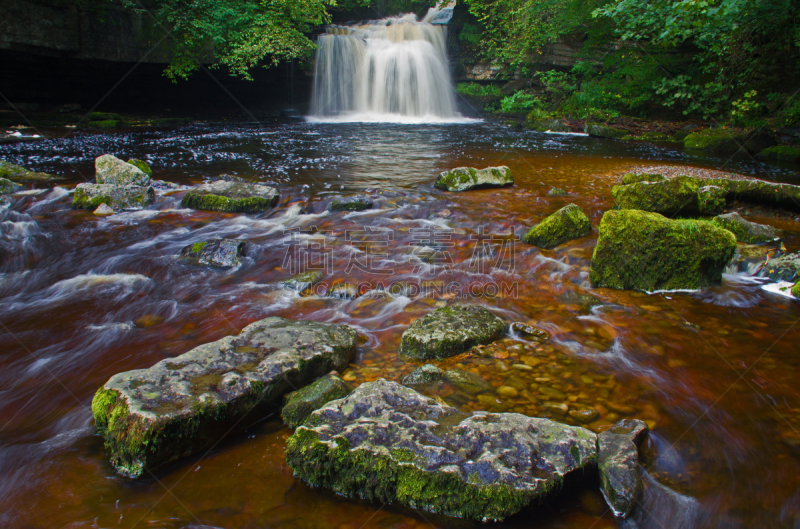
(520,101)
(478,90)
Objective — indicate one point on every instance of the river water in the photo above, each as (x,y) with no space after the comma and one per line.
(83,297)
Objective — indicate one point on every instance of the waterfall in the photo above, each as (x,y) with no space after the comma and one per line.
(391,70)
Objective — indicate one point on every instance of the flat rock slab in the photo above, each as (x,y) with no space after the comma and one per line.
(746,231)
(111,170)
(306,400)
(449,331)
(569,222)
(224,253)
(618,463)
(386,442)
(179,406)
(90,196)
(467,178)
(235,197)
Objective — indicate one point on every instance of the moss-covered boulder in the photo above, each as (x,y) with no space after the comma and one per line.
(783,268)
(724,139)
(604,131)
(355,203)
(90,196)
(17,173)
(7,186)
(424,374)
(632,178)
(618,463)
(681,195)
(104,124)
(387,443)
(760,192)
(638,250)
(711,199)
(179,406)
(111,170)
(467,178)
(223,253)
(8,169)
(235,197)
(448,331)
(746,231)
(301,403)
(784,153)
(568,223)
(141,165)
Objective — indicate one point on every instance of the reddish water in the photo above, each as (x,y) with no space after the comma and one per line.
(713,372)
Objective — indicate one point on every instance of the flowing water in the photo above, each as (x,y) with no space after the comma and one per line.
(82,297)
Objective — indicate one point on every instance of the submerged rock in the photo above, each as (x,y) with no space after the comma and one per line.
(530,332)
(304,281)
(783,268)
(301,403)
(234,197)
(466,178)
(746,231)
(467,381)
(111,170)
(424,374)
(90,196)
(618,463)
(568,223)
(7,186)
(224,253)
(181,405)
(637,250)
(357,203)
(448,331)
(387,443)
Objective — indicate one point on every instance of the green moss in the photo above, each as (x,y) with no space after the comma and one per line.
(141,165)
(796,290)
(7,186)
(715,140)
(745,231)
(9,169)
(781,152)
(81,200)
(604,131)
(306,400)
(566,224)
(198,247)
(103,116)
(632,178)
(105,124)
(207,201)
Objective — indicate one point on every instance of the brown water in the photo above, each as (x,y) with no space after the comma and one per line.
(713,372)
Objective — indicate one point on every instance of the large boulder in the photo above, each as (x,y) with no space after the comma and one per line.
(781,152)
(724,139)
(301,403)
(149,417)
(638,250)
(224,253)
(388,443)
(618,463)
(117,197)
(746,231)
(236,197)
(671,196)
(111,170)
(466,178)
(783,268)
(569,222)
(760,192)
(448,331)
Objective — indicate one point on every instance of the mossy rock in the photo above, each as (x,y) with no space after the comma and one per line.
(343,290)
(103,116)
(301,403)
(387,443)
(111,170)
(8,169)
(557,192)
(604,131)
(724,139)
(357,203)
(448,331)
(7,186)
(235,197)
(424,374)
(568,223)
(540,124)
(467,381)
(638,250)
(141,165)
(671,196)
(304,281)
(90,196)
(649,136)
(469,178)
(183,405)
(796,290)
(781,152)
(632,178)
(783,268)
(746,231)
(105,124)
(222,253)
(17,173)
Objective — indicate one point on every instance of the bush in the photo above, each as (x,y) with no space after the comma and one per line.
(520,101)
(478,90)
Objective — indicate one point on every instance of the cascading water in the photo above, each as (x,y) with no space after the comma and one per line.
(393,69)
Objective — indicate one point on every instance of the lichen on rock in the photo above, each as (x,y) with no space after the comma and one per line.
(111,170)
(424,374)
(223,253)
(117,197)
(568,223)
(235,197)
(448,331)
(468,178)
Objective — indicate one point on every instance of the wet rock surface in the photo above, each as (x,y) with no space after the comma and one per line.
(568,223)
(637,250)
(604,131)
(783,268)
(7,186)
(618,463)
(235,197)
(304,281)
(424,374)
(467,381)
(181,405)
(529,331)
(17,173)
(356,203)
(746,231)
(448,331)
(117,197)
(467,178)
(223,253)
(111,170)
(301,403)
(478,466)
(346,291)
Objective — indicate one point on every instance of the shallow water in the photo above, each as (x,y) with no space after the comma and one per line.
(82,297)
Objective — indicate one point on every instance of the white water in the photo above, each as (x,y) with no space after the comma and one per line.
(391,70)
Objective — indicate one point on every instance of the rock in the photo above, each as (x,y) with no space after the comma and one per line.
(8,169)
(559,408)
(783,268)
(618,463)
(671,196)
(568,223)
(725,139)
(557,192)
(103,210)
(224,253)
(387,443)
(796,290)
(604,131)
(141,165)
(111,170)
(301,403)
(467,178)
(552,392)
(632,178)
(530,332)
(637,250)
(760,192)
(235,197)
(346,291)
(357,203)
(104,124)
(161,185)
(103,116)
(7,186)
(584,415)
(448,331)
(507,392)
(424,374)
(179,406)
(303,282)
(746,231)
(540,124)
(710,199)
(17,173)
(90,196)
(467,381)
(584,301)
(781,152)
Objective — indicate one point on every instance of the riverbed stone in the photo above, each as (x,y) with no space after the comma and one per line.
(467,178)
(783,268)
(7,186)
(223,253)
(638,250)
(569,222)
(424,374)
(343,290)
(111,170)
(467,381)
(604,131)
(301,403)
(746,231)
(387,443)
(117,197)
(618,464)
(529,331)
(557,192)
(234,197)
(356,203)
(448,331)
(179,406)
(303,281)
